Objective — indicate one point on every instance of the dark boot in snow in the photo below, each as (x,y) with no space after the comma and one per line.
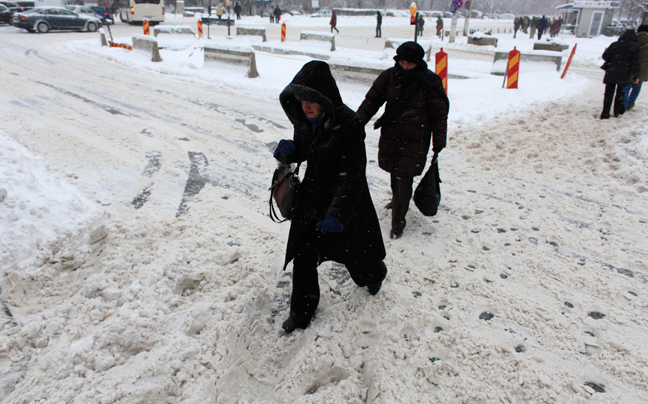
(292,324)
(375,288)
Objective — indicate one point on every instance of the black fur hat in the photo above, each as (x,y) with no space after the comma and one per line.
(411,52)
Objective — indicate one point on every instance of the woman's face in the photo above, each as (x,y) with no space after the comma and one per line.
(312,109)
(406,65)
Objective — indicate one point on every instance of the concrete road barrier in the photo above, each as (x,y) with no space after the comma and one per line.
(550,46)
(532,56)
(173,29)
(482,40)
(241,54)
(252,31)
(318,36)
(147,43)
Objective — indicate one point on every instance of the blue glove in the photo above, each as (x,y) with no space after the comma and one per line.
(330,225)
(285,148)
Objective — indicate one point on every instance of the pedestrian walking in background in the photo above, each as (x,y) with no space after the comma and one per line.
(420,22)
(516,25)
(439,26)
(632,90)
(542,26)
(416,115)
(554,28)
(533,27)
(220,11)
(277,14)
(525,24)
(333,22)
(621,67)
(378,24)
(237,11)
(335,219)
(272,15)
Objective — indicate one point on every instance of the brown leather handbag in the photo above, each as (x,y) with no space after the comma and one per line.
(284,192)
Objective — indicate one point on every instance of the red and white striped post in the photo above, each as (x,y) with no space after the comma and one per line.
(145,25)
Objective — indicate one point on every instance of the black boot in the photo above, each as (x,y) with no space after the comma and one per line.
(292,324)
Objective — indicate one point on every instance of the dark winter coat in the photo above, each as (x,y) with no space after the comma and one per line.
(542,24)
(642,40)
(405,138)
(333,21)
(379,18)
(622,59)
(335,182)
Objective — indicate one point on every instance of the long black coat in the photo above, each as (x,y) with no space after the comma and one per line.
(405,136)
(335,183)
(622,59)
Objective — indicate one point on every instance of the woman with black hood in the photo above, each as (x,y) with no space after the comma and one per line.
(334,218)
(621,67)
(416,113)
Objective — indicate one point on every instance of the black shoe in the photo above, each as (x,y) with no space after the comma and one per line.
(388,206)
(375,288)
(395,234)
(630,107)
(291,325)
(605,116)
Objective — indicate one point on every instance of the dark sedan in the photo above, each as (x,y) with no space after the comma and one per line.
(44,19)
(5,15)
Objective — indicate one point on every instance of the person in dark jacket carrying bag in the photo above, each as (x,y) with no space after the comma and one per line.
(416,113)
(621,67)
(334,218)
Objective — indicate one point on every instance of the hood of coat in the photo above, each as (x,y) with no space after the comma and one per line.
(629,35)
(313,83)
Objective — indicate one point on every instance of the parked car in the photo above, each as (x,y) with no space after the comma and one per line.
(12,6)
(447,14)
(45,19)
(322,13)
(90,11)
(5,15)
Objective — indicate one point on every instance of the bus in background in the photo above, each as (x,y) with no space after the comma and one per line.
(134,11)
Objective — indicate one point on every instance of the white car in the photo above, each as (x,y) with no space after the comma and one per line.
(322,13)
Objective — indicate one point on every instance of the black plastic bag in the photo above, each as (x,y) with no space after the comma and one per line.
(427,195)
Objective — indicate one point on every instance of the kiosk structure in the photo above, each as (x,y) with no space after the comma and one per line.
(587,19)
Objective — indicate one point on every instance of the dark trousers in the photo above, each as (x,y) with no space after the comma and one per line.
(378,31)
(619,108)
(333,27)
(306,293)
(401,195)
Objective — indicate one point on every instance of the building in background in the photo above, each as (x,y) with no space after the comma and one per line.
(587,18)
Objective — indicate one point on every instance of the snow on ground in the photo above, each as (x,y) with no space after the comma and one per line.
(528,286)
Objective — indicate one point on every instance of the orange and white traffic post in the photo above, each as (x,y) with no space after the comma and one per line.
(200,29)
(283,32)
(441,68)
(145,25)
(569,61)
(513,68)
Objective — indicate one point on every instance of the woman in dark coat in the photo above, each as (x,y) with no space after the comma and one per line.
(416,111)
(621,67)
(335,218)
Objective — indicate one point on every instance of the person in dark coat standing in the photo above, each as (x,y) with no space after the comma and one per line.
(416,113)
(621,67)
(277,14)
(516,25)
(632,90)
(542,26)
(333,22)
(237,11)
(439,26)
(334,218)
(378,24)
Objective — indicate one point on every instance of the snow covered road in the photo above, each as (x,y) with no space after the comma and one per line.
(529,286)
